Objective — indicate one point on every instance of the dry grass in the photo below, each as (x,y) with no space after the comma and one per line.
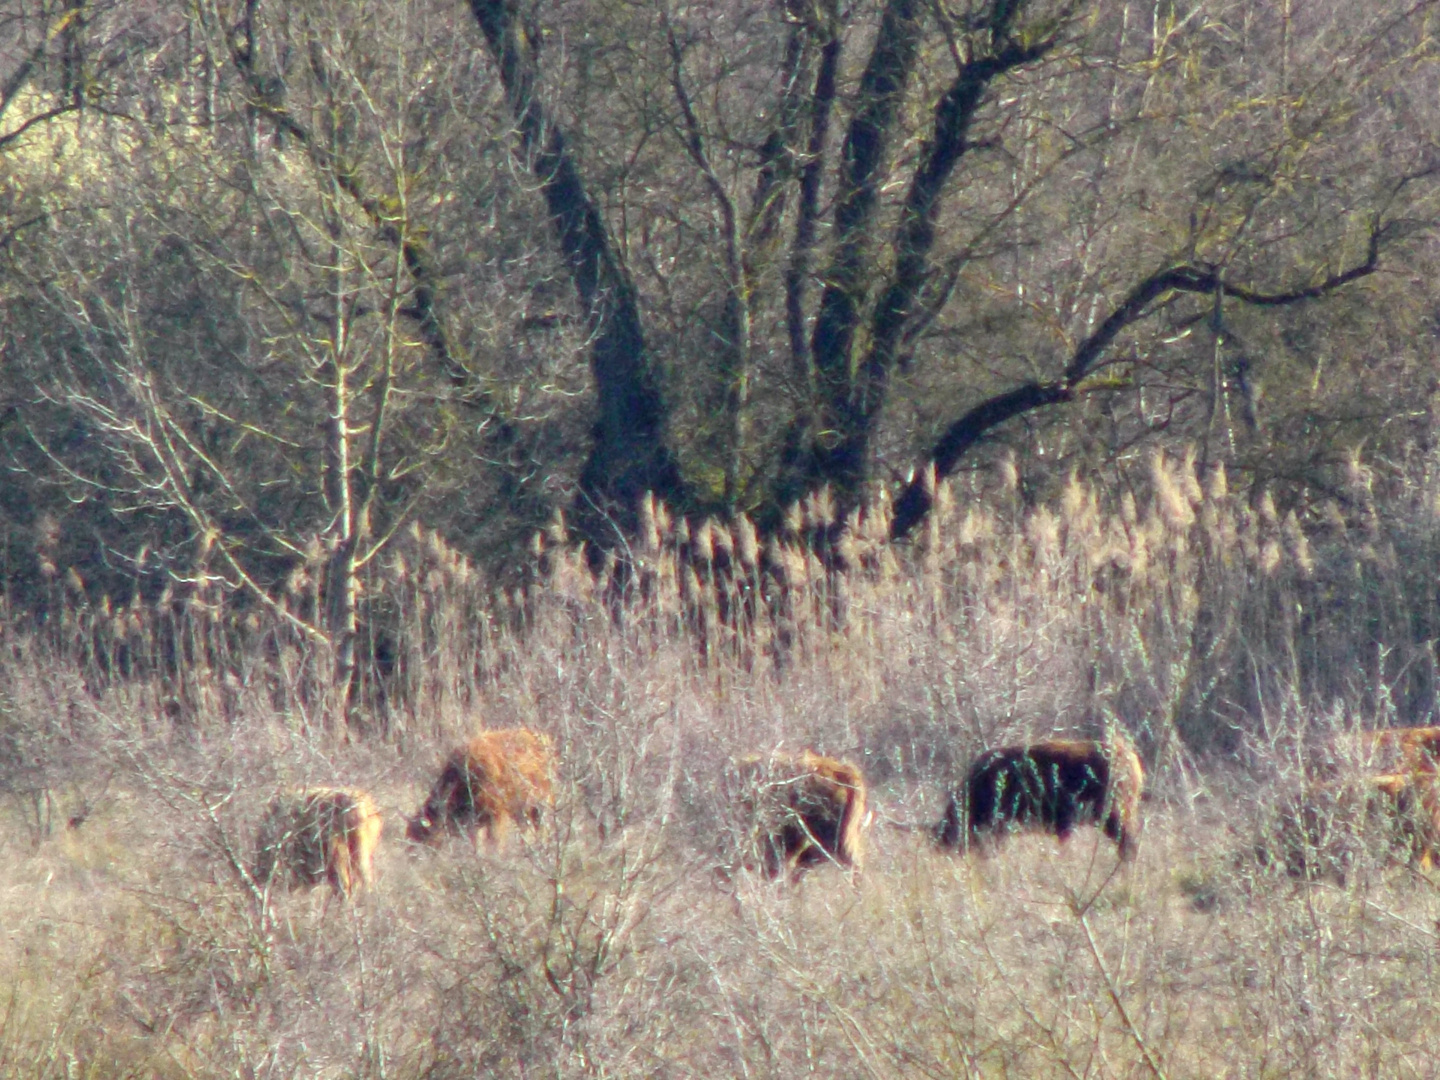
(618,942)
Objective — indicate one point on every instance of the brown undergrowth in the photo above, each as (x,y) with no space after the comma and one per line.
(140,742)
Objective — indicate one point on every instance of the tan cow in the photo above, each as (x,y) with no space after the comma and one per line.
(801,810)
(319,834)
(497,779)
(1325,826)
(1050,786)
(1378,752)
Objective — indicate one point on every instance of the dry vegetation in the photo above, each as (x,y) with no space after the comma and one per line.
(141,743)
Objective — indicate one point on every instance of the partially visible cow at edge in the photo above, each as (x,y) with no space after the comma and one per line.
(1324,827)
(497,779)
(801,810)
(1050,786)
(1381,751)
(319,834)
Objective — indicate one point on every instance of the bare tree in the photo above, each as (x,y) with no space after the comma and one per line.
(245,320)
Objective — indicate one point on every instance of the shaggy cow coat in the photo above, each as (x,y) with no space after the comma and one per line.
(319,834)
(1381,752)
(1051,786)
(801,810)
(496,780)
(1324,827)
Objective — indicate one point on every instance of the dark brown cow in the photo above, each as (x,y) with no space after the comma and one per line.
(801,810)
(1050,786)
(1382,751)
(319,834)
(1325,826)
(497,779)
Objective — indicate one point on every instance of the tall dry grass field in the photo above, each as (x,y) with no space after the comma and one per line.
(140,741)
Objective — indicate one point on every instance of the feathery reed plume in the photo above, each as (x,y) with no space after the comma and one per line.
(1129,511)
(1007,471)
(747,544)
(297,581)
(1170,495)
(555,531)
(1270,555)
(648,541)
(1189,478)
(1297,544)
(702,543)
(792,521)
(1269,517)
(819,509)
(664,523)
(1042,530)
(1217,483)
(944,500)
(721,544)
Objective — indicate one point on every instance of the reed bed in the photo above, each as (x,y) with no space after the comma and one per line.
(141,738)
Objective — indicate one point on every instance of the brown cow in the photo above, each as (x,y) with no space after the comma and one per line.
(498,778)
(1325,826)
(801,810)
(1382,751)
(1051,786)
(1416,799)
(319,834)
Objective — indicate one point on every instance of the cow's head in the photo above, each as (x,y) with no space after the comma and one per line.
(422,828)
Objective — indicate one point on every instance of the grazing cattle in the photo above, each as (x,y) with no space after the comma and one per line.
(1415,798)
(497,779)
(801,810)
(1324,827)
(1051,786)
(1383,751)
(319,834)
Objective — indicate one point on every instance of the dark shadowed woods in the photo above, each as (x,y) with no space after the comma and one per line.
(280,277)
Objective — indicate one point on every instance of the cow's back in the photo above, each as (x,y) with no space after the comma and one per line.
(319,835)
(498,777)
(802,810)
(1377,752)
(1053,784)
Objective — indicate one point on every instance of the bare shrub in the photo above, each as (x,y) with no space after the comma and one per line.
(606,943)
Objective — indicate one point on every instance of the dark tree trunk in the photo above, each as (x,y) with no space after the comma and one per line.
(851,395)
(807,216)
(842,303)
(629,454)
(915,240)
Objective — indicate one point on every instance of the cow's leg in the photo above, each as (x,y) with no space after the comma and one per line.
(338,870)
(1065,816)
(498,831)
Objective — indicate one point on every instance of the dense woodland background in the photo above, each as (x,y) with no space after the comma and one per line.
(681,380)
(305,274)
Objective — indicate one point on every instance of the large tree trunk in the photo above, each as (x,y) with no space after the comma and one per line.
(810,460)
(852,392)
(630,454)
